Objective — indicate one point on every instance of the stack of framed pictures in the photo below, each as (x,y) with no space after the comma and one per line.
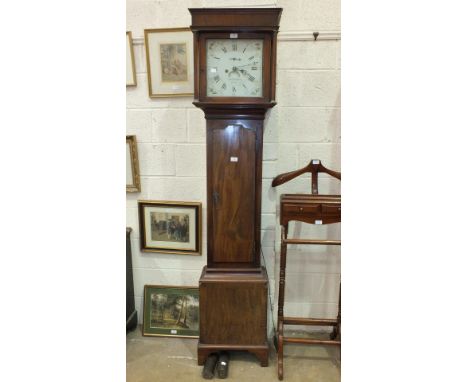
(175,228)
(167,227)
(169,59)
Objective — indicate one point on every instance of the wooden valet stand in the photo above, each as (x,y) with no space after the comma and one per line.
(314,209)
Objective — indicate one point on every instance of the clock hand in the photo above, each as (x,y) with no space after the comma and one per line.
(251,64)
(246,73)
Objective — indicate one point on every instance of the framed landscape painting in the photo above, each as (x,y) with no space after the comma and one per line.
(170,227)
(169,57)
(171,311)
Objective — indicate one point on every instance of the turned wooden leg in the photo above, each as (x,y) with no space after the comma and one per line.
(282,278)
(282,285)
(280,350)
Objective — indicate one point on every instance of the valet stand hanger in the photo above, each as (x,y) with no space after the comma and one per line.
(314,209)
(315,166)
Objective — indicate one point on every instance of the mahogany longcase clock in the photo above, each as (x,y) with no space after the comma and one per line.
(235,75)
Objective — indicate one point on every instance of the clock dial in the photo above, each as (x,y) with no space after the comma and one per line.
(234,68)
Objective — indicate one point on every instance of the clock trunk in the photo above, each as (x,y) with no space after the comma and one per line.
(234,192)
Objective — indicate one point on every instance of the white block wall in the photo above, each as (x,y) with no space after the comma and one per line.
(304,125)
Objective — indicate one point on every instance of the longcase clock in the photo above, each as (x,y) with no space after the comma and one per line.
(235,71)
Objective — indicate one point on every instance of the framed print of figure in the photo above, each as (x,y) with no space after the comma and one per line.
(169,57)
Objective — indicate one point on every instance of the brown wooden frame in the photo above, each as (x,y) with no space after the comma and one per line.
(198,226)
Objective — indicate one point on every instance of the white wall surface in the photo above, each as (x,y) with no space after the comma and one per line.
(304,125)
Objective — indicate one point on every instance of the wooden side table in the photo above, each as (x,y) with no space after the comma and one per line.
(313,209)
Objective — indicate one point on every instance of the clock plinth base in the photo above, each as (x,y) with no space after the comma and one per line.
(233,313)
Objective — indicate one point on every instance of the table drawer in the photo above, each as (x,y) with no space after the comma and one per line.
(301,209)
(331,213)
(331,209)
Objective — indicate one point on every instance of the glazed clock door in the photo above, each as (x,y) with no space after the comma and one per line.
(233,154)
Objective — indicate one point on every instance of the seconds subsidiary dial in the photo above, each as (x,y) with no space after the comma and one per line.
(234,67)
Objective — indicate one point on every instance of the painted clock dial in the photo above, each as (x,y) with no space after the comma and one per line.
(234,67)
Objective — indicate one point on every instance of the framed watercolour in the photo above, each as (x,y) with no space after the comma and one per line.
(170,227)
(133,171)
(131,73)
(171,311)
(169,58)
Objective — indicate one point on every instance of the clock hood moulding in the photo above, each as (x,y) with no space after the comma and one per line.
(241,19)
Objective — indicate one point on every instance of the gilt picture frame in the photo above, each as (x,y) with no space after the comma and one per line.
(171,311)
(169,59)
(133,167)
(170,227)
(131,72)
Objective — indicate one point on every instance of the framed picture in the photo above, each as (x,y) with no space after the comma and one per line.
(170,227)
(131,73)
(133,171)
(171,311)
(169,57)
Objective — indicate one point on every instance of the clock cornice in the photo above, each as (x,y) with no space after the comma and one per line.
(239,19)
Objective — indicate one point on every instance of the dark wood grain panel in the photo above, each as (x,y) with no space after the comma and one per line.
(233,193)
(234,152)
(237,302)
